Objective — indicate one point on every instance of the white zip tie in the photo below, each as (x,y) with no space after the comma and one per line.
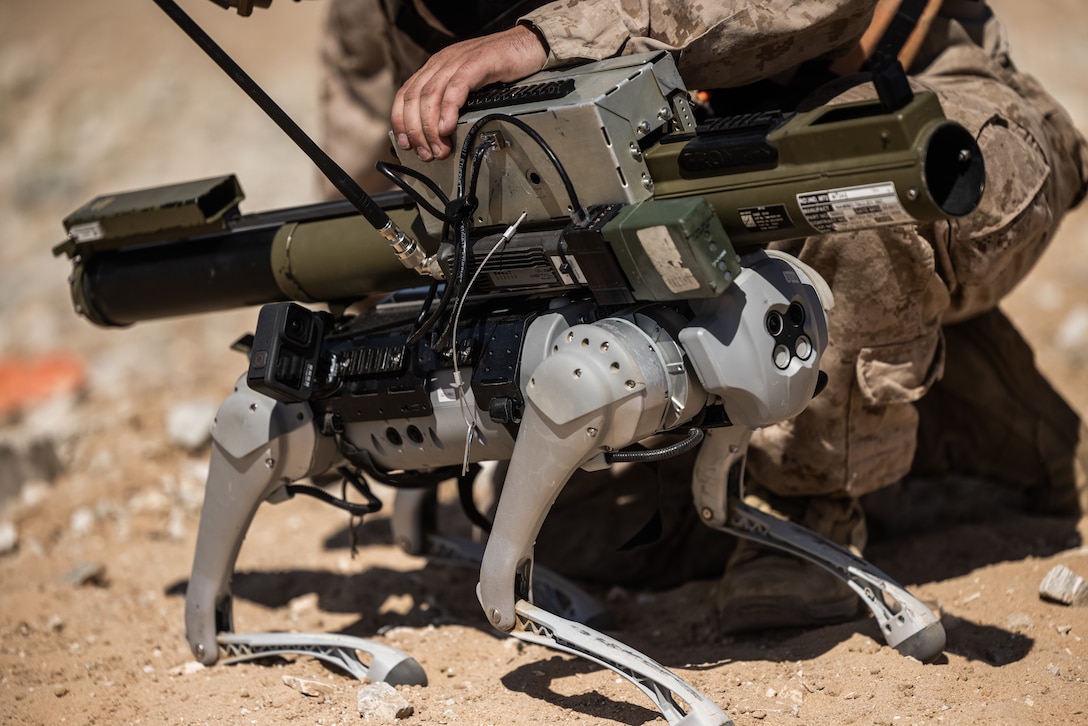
(469,413)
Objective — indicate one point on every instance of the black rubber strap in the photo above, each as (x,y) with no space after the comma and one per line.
(889,76)
(898,31)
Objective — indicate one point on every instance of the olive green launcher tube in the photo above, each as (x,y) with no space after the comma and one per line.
(255,262)
(835,169)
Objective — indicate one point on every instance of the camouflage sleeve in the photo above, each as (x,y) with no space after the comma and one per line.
(717,43)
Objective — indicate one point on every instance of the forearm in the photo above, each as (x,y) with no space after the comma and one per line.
(729,42)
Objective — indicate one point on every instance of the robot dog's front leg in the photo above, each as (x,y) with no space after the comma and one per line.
(764,369)
(906,623)
(605,386)
(259,447)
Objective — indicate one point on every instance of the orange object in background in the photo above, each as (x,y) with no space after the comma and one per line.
(27,381)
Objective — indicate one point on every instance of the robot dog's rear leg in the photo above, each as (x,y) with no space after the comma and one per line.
(259,446)
(906,623)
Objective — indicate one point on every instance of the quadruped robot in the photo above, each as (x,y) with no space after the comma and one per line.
(597,276)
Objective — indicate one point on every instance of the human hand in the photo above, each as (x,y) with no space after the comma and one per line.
(427,106)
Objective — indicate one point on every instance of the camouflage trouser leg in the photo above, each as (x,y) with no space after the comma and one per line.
(895,288)
(994,416)
(364,61)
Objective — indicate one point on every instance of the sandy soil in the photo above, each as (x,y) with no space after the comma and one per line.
(107,96)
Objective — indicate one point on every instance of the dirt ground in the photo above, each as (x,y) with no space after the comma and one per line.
(100,504)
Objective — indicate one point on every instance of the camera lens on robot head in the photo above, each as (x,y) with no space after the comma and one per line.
(298,327)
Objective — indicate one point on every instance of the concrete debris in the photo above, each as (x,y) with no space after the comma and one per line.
(1064,586)
(189,423)
(382,703)
(311,688)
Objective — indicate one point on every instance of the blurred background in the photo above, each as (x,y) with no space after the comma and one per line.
(108,96)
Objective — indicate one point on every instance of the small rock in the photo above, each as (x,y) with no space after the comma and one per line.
(383,703)
(35,491)
(87,573)
(186,669)
(1019,621)
(81,521)
(60,691)
(189,423)
(9,538)
(1064,586)
(303,604)
(29,454)
(309,687)
(1073,331)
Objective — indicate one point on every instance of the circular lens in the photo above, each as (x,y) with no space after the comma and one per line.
(782,356)
(774,323)
(803,346)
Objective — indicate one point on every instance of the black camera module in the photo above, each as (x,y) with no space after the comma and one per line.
(286,347)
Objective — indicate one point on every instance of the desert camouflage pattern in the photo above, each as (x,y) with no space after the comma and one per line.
(364,61)
(896,289)
(724,43)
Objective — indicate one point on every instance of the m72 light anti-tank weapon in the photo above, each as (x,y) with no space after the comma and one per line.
(598,276)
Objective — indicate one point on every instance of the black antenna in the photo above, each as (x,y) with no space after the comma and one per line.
(333,171)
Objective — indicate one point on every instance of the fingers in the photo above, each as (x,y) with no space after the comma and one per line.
(426,108)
